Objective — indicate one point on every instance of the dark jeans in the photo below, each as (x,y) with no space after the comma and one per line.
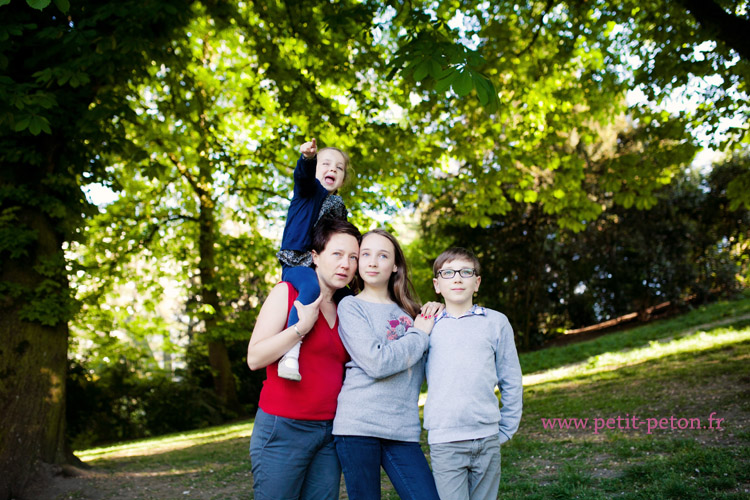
(361,458)
(293,459)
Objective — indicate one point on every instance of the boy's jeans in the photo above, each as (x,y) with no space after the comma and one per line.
(404,462)
(467,470)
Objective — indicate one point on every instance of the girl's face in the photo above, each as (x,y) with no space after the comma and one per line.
(330,169)
(337,263)
(377,260)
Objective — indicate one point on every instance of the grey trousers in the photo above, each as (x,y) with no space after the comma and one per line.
(467,470)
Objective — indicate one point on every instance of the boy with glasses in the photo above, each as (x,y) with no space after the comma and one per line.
(471,352)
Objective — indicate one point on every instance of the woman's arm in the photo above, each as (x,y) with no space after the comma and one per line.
(271,338)
(377,359)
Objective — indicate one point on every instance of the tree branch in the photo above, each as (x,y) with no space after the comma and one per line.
(120,258)
(180,167)
(256,189)
(538,28)
(721,25)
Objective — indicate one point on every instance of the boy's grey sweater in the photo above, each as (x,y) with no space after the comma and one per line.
(380,395)
(468,357)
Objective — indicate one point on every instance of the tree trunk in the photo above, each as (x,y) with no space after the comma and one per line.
(218,356)
(224,383)
(33,365)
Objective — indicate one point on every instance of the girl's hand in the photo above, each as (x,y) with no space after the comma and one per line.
(309,149)
(426,319)
(308,315)
(432,309)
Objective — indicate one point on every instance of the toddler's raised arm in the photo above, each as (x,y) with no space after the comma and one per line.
(309,149)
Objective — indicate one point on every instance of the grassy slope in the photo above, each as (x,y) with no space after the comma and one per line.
(679,368)
(653,372)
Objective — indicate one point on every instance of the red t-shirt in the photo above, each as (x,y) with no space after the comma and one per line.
(321,364)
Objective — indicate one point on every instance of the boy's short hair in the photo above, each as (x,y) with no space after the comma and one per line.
(455,253)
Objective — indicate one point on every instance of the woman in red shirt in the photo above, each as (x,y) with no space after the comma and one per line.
(291,449)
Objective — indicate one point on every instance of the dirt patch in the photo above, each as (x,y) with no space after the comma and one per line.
(102,484)
(162,484)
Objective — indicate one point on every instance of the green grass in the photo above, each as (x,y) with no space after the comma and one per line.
(171,442)
(677,368)
(546,359)
(667,369)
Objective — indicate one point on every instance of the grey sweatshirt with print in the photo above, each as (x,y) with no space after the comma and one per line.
(383,379)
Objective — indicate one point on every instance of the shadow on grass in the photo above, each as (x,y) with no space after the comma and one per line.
(717,378)
(557,356)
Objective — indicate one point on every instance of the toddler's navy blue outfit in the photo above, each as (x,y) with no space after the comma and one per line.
(310,202)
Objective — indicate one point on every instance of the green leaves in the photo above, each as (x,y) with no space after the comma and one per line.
(63,75)
(25,107)
(431,57)
(62,5)
(463,84)
(38,4)
(34,123)
(446,81)
(738,188)
(15,238)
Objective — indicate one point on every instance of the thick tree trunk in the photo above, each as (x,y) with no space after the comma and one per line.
(218,356)
(224,383)
(33,364)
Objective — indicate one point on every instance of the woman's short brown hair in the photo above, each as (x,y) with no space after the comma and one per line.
(327,227)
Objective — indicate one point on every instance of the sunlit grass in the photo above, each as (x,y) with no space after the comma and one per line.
(169,442)
(656,349)
(686,324)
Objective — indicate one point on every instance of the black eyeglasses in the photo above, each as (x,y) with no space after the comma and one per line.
(464,273)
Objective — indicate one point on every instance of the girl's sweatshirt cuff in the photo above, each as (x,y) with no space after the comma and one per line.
(414,329)
(422,334)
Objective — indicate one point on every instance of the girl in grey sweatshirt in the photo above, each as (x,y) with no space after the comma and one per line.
(377,418)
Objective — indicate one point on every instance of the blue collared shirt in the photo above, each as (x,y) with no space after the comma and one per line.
(474,311)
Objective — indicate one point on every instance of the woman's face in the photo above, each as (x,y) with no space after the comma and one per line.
(337,263)
(377,260)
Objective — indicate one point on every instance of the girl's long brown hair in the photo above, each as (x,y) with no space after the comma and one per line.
(400,287)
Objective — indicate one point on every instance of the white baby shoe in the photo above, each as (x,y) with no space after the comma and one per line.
(289,369)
